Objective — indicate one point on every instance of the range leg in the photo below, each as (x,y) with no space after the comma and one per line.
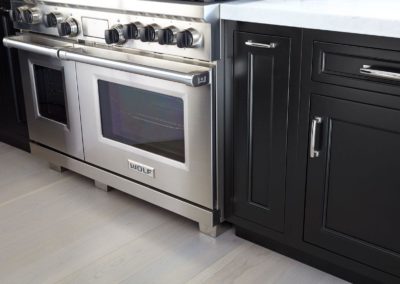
(213,231)
(101,185)
(57,168)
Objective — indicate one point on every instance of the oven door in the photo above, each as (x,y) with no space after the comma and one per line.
(52,103)
(51,94)
(154,131)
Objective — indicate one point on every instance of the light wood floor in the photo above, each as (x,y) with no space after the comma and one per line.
(58,228)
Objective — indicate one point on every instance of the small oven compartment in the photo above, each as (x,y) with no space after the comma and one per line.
(52,103)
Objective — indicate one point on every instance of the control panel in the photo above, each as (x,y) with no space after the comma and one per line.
(156,33)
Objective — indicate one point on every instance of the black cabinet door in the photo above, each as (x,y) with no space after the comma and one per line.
(353,182)
(260,115)
(13,128)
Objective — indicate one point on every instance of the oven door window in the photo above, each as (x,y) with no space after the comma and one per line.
(50,93)
(143,119)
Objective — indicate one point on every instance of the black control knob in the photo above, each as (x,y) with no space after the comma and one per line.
(52,19)
(68,28)
(16,15)
(31,16)
(27,16)
(148,33)
(131,30)
(111,36)
(114,35)
(64,29)
(167,36)
(184,39)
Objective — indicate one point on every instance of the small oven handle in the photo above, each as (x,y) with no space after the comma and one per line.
(193,79)
(30,47)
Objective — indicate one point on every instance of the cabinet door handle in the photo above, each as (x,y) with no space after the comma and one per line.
(262,45)
(369,71)
(314,124)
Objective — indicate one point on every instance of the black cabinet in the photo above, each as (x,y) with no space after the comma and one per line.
(353,181)
(13,127)
(312,164)
(260,110)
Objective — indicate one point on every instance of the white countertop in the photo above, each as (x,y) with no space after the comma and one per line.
(373,17)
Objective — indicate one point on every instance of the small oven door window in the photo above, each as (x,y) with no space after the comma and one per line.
(50,93)
(143,119)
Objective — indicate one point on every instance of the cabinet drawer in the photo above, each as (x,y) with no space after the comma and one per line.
(357,67)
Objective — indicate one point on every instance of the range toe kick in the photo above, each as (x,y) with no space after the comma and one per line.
(206,218)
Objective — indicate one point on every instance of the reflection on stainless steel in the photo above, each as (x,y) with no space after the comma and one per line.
(130,89)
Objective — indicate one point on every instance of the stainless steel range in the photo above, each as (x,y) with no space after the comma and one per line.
(126,93)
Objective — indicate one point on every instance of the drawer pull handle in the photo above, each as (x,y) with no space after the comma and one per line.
(316,122)
(262,45)
(369,71)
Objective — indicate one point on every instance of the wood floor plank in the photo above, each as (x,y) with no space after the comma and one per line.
(30,184)
(78,233)
(250,263)
(63,258)
(4,148)
(58,228)
(187,260)
(136,255)
(46,205)
(16,165)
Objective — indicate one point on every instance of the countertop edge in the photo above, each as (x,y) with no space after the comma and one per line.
(323,21)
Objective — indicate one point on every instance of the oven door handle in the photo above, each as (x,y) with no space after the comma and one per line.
(13,42)
(193,79)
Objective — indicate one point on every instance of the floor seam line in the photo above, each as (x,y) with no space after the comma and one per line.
(35,191)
